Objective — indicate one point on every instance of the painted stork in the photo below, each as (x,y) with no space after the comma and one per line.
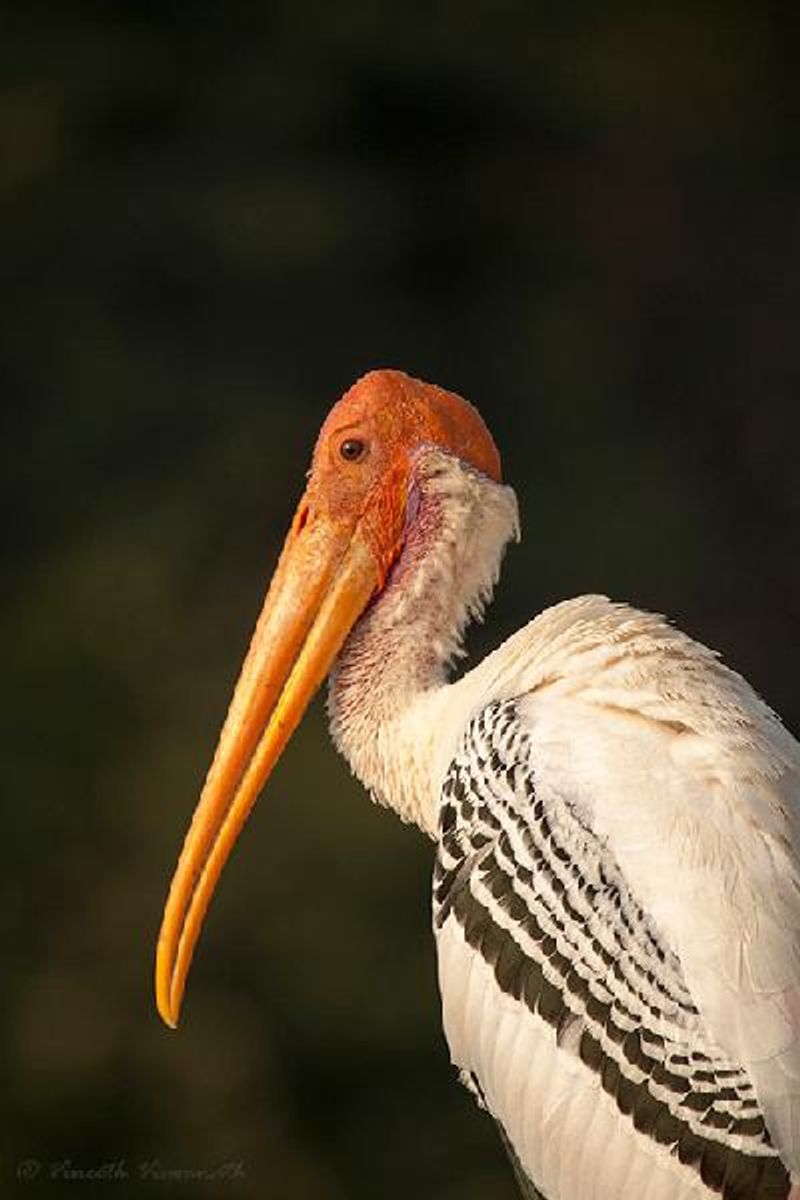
(616,820)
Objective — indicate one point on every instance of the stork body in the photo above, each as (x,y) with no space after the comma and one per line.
(616,897)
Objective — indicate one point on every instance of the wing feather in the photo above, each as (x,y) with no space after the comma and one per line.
(623,883)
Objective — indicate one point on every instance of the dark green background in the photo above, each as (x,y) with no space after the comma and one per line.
(213,217)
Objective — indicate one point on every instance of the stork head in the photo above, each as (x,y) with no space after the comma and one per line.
(346,533)
(360,469)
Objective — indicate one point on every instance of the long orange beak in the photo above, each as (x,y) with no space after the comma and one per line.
(323,582)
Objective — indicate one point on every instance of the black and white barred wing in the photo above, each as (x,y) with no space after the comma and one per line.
(565,1009)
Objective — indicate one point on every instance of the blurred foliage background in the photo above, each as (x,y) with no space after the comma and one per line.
(213,218)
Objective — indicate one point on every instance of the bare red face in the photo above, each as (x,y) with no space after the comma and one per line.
(391,413)
(361,462)
(346,533)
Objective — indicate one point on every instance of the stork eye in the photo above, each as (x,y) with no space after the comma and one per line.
(353,449)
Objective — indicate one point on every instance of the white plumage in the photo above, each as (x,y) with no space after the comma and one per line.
(664,765)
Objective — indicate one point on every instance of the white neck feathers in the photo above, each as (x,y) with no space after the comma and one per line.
(388,689)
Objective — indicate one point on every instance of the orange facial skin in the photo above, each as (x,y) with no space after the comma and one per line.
(345,535)
(392,414)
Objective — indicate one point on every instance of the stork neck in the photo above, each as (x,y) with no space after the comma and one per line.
(388,690)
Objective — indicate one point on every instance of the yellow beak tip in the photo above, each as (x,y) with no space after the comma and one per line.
(169,1017)
(168,1006)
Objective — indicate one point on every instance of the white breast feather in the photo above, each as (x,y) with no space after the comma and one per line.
(695,786)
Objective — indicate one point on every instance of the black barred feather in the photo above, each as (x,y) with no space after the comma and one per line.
(545,904)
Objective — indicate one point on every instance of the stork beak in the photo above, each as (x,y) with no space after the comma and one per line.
(323,582)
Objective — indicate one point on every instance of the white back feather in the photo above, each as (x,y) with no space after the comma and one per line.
(695,785)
